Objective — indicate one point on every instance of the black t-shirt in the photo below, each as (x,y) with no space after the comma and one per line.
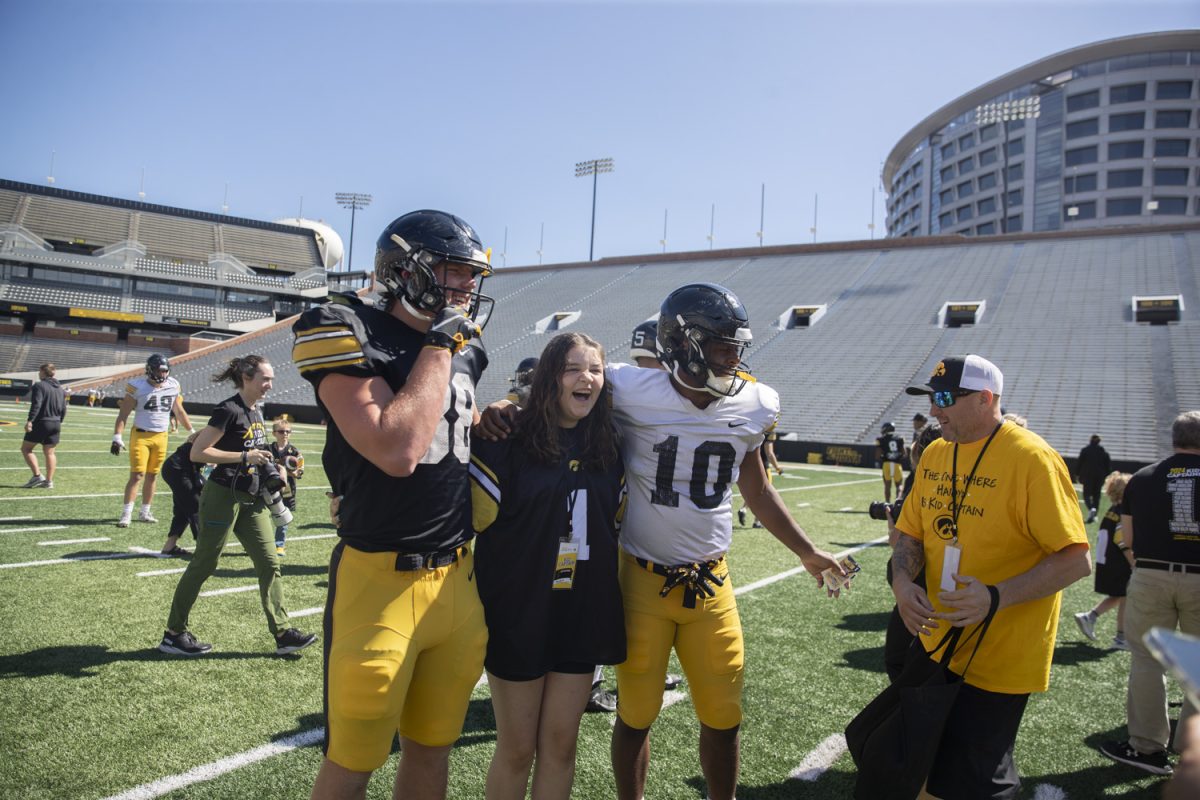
(1164,501)
(522,508)
(891,447)
(242,429)
(430,510)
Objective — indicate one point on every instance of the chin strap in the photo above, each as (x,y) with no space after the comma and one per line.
(414,311)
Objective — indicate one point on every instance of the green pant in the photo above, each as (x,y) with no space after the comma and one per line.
(223,510)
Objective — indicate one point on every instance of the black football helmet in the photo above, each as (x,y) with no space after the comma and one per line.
(157,368)
(414,245)
(887,427)
(645,338)
(524,374)
(693,315)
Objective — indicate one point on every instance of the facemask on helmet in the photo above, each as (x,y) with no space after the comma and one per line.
(157,368)
(411,254)
(524,373)
(694,316)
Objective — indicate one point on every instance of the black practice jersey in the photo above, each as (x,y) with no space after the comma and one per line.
(522,510)
(430,510)
(891,447)
(242,429)
(1164,501)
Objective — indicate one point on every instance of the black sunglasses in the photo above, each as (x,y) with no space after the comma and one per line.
(947,398)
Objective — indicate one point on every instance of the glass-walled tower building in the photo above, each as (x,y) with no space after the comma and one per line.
(1103,135)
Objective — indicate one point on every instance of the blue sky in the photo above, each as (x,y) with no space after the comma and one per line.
(483,109)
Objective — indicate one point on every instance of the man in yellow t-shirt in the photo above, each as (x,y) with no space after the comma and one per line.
(992,517)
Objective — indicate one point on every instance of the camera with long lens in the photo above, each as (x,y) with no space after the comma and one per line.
(269,485)
(879,510)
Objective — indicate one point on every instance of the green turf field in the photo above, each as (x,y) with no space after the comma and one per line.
(89,709)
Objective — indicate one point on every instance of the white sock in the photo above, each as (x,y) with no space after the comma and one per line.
(145,508)
(127,510)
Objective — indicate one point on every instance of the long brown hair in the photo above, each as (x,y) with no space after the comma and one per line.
(539,420)
(240,370)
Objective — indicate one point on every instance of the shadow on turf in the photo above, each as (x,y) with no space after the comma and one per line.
(877,621)
(81,661)
(833,783)
(1074,653)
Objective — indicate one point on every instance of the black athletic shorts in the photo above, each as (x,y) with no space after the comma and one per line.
(566,667)
(975,760)
(45,431)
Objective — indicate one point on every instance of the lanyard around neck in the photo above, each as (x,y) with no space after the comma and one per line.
(955,505)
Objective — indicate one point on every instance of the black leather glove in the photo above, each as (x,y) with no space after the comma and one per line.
(451,330)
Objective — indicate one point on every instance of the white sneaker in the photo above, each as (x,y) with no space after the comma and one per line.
(1119,643)
(146,516)
(33,483)
(1087,624)
(123,522)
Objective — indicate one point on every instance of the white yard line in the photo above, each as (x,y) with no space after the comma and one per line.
(822,757)
(37,528)
(750,587)
(75,541)
(306,612)
(14,519)
(230,590)
(207,772)
(156,572)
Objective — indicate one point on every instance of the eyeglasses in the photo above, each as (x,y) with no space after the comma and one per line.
(949,397)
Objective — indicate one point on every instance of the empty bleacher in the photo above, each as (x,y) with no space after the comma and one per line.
(56,296)
(262,248)
(67,220)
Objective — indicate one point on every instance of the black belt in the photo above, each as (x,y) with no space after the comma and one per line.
(143,430)
(1169,566)
(695,578)
(410,562)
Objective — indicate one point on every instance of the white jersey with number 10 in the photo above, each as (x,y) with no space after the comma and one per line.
(682,461)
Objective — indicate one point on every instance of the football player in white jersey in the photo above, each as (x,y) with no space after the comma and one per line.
(152,399)
(687,435)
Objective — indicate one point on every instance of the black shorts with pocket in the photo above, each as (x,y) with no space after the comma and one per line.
(45,432)
(975,760)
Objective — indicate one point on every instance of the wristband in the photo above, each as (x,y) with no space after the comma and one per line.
(117,439)
(243,456)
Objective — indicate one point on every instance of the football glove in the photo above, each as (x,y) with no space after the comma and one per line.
(451,330)
(117,445)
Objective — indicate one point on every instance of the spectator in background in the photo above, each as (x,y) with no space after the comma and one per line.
(1092,467)
(1161,521)
(546,504)
(152,399)
(1114,564)
(521,381)
(889,454)
(47,410)
(919,421)
(994,521)
(290,462)
(186,479)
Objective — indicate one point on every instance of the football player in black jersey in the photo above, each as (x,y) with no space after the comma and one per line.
(404,628)
(889,454)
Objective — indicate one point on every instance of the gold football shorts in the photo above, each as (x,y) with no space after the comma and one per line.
(707,639)
(892,472)
(404,650)
(147,451)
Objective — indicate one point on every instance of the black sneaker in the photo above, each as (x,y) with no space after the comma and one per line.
(1155,763)
(742,517)
(601,700)
(291,640)
(182,644)
(673,680)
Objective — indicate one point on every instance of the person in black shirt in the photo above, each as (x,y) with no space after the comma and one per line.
(1114,564)
(235,439)
(404,629)
(889,453)
(186,479)
(546,504)
(47,410)
(1092,467)
(1161,522)
(291,465)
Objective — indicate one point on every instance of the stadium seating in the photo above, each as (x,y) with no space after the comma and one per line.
(1057,322)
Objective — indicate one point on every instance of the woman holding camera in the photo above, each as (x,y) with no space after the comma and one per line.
(235,440)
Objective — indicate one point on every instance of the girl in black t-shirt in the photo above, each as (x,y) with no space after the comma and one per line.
(231,502)
(545,504)
(1114,564)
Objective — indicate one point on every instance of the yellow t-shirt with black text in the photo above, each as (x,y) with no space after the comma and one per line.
(1020,508)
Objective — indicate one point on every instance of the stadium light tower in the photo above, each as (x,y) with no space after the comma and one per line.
(1004,112)
(353,201)
(593,168)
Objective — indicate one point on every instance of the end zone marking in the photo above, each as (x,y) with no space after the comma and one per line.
(816,763)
